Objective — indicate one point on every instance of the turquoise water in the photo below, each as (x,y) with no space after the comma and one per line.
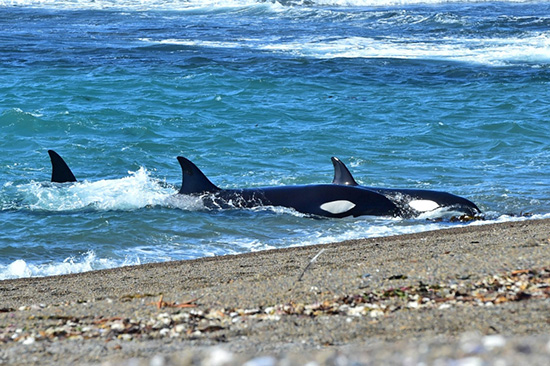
(434,95)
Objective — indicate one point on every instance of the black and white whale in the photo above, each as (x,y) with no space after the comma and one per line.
(411,202)
(343,198)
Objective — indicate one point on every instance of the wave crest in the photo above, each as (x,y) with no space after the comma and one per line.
(86,262)
(184,5)
(136,191)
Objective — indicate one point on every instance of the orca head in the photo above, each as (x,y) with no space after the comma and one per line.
(431,201)
(342,176)
(61,173)
(193,180)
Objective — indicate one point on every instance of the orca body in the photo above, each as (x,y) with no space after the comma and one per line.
(327,200)
(344,197)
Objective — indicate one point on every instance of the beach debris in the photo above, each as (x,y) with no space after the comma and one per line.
(130,297)
(309,264)
(467,218)
(187,304)
(186,320)
(462,218)
(397,277)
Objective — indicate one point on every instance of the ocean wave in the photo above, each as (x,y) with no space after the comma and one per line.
(185,5)
(530,49)
(84,263)
(137,5)
(355,229)
(138,190)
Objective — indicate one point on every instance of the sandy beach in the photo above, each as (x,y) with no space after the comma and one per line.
(475,295)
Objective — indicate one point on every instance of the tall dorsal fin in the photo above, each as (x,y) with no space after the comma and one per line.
(61,173)
(193,180)
(342,176)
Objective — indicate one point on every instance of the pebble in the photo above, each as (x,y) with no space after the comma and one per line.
(493,341)
(219,357)
(261,361)
(492,350)
(29,341)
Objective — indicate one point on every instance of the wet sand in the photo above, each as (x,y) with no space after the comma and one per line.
(475,294)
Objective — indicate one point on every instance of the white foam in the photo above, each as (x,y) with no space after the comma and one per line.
(86,262)
(366,228)
(280,210)
(133,192)
(508,218)
(373,3)
(185,202)
(141,5)
(531,49)
(138,5)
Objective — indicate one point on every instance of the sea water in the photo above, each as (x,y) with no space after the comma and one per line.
(451,96)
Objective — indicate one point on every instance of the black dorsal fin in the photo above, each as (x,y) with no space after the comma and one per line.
(193,180)
(61,173)
(342,176)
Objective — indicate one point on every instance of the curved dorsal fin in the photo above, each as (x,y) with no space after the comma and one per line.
(194,181)
(342,176)
(61,173)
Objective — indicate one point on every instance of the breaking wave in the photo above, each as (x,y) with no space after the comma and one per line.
(182,5)
(136,191)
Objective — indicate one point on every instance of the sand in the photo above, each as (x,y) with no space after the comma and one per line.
(471,295)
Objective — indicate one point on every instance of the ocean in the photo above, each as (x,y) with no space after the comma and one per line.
(436,94)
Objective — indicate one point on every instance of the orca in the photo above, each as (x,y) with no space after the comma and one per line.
(61,173)
(328,200)
(411,202)
(342,198)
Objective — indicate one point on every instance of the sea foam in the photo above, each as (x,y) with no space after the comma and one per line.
(182,5)
(138,190)
(533,49)
(83,263)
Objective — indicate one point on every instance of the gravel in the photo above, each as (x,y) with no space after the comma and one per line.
(476,295)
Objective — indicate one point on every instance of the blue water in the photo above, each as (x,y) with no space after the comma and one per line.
(433,95)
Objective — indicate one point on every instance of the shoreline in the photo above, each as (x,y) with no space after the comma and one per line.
(402,236)
(432,287)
